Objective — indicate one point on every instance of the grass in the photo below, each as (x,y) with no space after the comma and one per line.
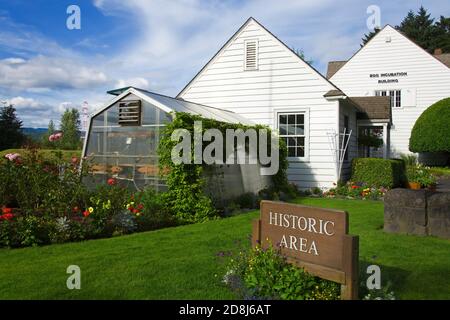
(181,262)
(440,171)
(46,153)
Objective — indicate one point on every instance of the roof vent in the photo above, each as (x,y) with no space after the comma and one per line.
(251,55)
(130,113)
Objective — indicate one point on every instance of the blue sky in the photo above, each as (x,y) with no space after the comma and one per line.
(158,45)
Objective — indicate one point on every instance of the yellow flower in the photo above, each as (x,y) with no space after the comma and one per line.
(90,209)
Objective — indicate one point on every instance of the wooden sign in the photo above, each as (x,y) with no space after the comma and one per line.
(315,239)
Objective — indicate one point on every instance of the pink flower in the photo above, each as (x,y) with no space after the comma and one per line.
(12,156)
(55,136)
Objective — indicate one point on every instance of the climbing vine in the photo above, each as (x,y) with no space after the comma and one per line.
(186,183)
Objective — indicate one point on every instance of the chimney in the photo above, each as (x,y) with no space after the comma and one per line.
(437,51)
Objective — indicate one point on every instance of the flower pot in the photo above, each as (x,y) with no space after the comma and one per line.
(414,185)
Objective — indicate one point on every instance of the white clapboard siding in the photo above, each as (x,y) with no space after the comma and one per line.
(427,77)
(283,82)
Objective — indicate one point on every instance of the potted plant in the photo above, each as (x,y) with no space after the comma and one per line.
(420,177)
(413,178)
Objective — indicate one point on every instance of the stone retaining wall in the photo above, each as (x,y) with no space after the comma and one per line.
(418,212)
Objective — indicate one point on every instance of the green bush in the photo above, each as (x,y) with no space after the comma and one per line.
(388,173)
(265,274)
(431,131)
(155,213)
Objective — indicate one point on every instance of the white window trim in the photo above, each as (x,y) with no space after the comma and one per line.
(305,112)
(392,89)
(256,58)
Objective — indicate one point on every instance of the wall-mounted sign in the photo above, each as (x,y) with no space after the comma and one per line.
(313,238)
(388,77)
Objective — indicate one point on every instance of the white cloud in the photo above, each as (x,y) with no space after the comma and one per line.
(138,82)
(48,72)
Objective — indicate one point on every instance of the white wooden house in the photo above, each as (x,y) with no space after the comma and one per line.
(385,86)
(392,65)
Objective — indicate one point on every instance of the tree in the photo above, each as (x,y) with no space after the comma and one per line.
(419,28)
(51,129)
(442,39)
(301,54)
(70,127)
(11,135)
(369,36)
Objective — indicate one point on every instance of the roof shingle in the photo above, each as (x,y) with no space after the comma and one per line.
(373,107)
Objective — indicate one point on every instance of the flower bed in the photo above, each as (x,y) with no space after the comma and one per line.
(354,190)
(44,201)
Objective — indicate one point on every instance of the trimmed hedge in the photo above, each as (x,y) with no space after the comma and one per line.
(388,173)
(431,132)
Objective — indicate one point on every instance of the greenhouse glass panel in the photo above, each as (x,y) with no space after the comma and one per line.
(126,153)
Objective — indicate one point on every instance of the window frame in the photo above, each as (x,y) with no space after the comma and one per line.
(306,132)
(397,95)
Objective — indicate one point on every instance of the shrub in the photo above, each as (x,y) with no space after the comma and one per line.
(265,274)
(431,131)
(155,213)
(388,173)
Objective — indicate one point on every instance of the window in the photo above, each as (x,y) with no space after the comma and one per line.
(396,96)
(251,55)
(346,137)
(130,113)
(291,128)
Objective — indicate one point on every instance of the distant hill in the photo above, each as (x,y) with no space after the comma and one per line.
(34,133)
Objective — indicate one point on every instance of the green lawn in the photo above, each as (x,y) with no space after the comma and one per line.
(181,263)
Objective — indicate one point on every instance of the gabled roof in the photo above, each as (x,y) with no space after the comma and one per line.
(337,65)
(169,104)
(251,19)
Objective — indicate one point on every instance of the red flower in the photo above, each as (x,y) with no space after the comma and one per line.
(140,206)
(6,216)
(135,211)
(74,160)
(6,210)
(75,209)
(354,187)
(111,181)
(86,213)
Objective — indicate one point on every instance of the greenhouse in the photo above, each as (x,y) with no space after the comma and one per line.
(123,139)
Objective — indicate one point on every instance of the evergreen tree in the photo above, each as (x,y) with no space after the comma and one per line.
(11,135)
(70,127)
(369,36)
(301,54)
(420,28)
(442,39)
(51,129)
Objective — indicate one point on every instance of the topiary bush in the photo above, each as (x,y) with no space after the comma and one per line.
(388,173)
(431,132)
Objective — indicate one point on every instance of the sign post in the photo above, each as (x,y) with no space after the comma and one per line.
(312,238)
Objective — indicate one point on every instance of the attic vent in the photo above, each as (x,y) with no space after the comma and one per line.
(130,113)
(251,55)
